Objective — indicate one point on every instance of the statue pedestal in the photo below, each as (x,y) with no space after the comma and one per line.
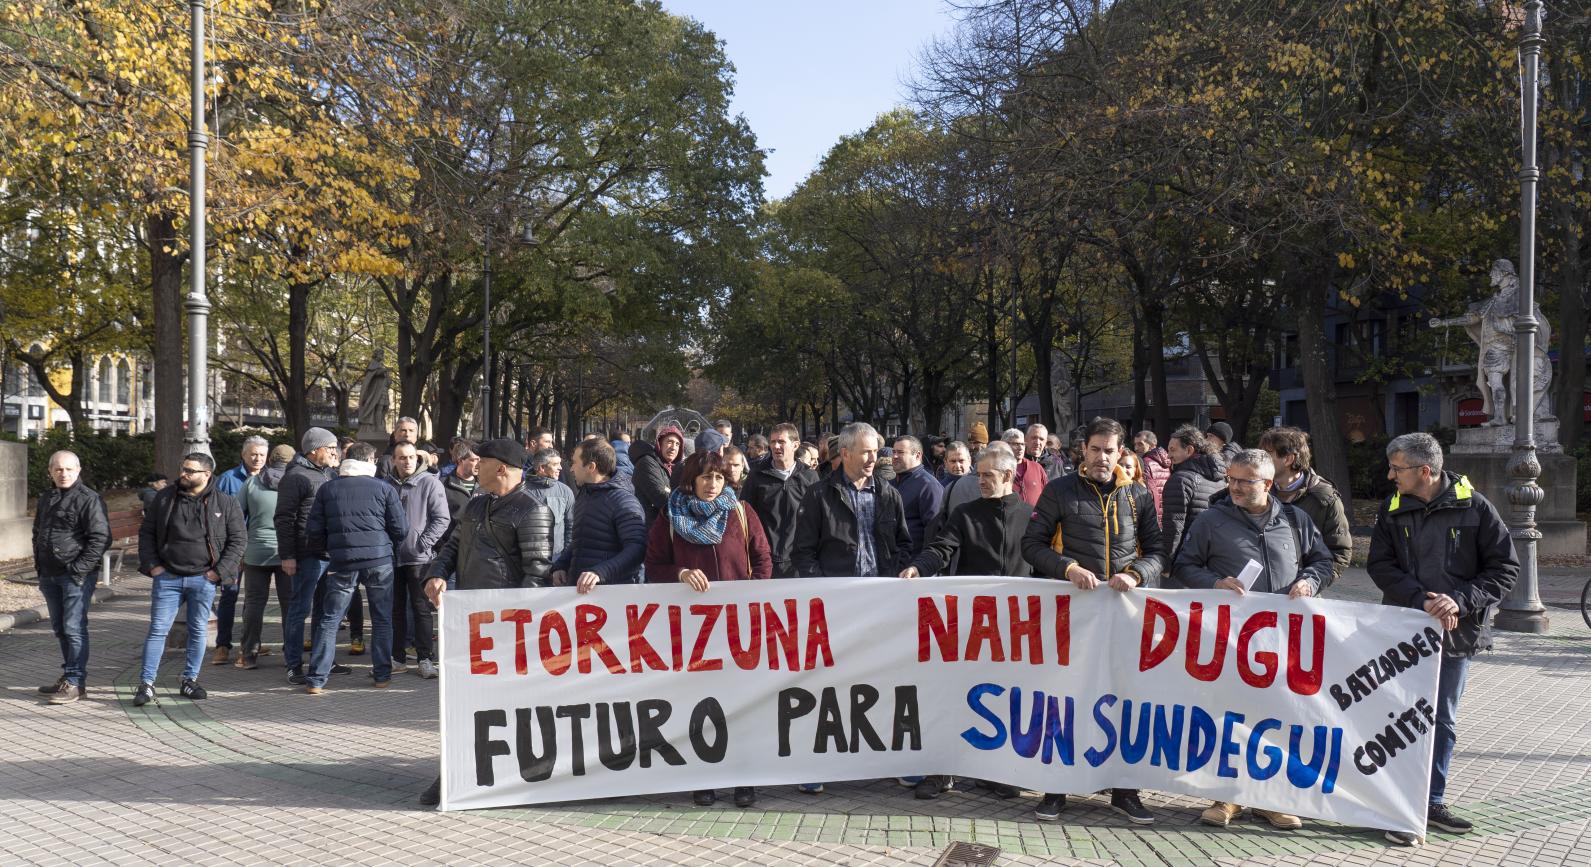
(374,435)
(1499,439)
(16,528)
(1482,454)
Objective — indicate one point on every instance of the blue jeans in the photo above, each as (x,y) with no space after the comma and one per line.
(377,581)
(305,582)
(226,611)
(165,595)
(68,602)
(1449,688)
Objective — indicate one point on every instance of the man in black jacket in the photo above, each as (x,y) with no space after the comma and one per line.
(357,522)
(70,533)
(191,540)
(983,537)
(851,522)
(503,539)
(1440,546)
(774,491)
(655,464)
(1108,534)
(1198,473)
(608,539)
(315,465)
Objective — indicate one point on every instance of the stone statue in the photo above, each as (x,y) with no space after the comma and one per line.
(1490,324)
(374,400)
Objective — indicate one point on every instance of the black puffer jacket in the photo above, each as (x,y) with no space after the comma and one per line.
(70,532)
(356,522)
(778,503)
(983,537)
(498,543)
(1104,528)
(458,494)
(1458,545)
(1187,493)
(294,495)
(826,532)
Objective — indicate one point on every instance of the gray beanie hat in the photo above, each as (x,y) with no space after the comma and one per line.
(315,438)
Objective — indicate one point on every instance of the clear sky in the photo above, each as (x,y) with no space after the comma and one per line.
(810,71)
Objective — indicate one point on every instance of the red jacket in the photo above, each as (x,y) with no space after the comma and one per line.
(732,559)
(1030,480)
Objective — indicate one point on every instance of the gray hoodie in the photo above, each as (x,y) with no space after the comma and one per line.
(1222,539)
(425,507)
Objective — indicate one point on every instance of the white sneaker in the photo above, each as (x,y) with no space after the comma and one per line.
(427,669)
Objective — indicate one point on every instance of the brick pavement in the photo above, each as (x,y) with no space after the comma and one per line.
(261,773)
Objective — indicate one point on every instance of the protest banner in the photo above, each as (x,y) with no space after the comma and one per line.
(1321,708)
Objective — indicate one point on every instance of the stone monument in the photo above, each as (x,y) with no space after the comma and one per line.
(375,400)
(1482,453)
(16,528)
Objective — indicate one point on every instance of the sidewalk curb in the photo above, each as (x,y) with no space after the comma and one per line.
(27,616)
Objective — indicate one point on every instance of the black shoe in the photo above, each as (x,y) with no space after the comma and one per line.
(295,676)
(704,797)
(1050,808)
(1440,816)
(1127,804)
(340,669)
(745,796)
(931,787)
(52,689)
(144,695)
(432,794)
(193,691)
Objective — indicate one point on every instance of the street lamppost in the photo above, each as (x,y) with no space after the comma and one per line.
(196,304)
(1521,610)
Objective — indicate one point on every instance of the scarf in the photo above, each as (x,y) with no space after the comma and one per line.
(700,521)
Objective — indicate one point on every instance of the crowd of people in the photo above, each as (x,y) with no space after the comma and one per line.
(338,528)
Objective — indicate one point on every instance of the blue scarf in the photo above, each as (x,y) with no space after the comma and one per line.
(700,521)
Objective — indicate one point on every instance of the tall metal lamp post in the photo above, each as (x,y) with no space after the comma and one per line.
(196,304)
(1522,610)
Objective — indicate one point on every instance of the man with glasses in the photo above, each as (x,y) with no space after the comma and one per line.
(1245,523)
(1441,546)
(191,540)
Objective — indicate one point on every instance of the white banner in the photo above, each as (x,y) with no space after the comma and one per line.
(1320,708)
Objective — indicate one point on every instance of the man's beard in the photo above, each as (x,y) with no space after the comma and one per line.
(189,485)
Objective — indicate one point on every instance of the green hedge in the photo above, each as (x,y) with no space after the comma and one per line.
(117,462)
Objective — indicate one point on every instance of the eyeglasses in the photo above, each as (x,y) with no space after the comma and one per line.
(192,471)
(1397,469)
(1244,483)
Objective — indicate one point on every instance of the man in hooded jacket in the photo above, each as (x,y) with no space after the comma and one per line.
(654,467)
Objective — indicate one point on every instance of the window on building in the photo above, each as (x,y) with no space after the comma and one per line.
(124,382)
(104,380)
(34,389)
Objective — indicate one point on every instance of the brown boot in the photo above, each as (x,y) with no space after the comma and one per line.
(1220,814)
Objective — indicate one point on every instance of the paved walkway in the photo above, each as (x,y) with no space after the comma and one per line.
(261,773)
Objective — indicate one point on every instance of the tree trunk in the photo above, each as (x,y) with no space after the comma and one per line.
(70,400)
(1320,388)
(1039,341)
(297,408)
(1571,327)
(1140,371)
(1155,348)
(166,255)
